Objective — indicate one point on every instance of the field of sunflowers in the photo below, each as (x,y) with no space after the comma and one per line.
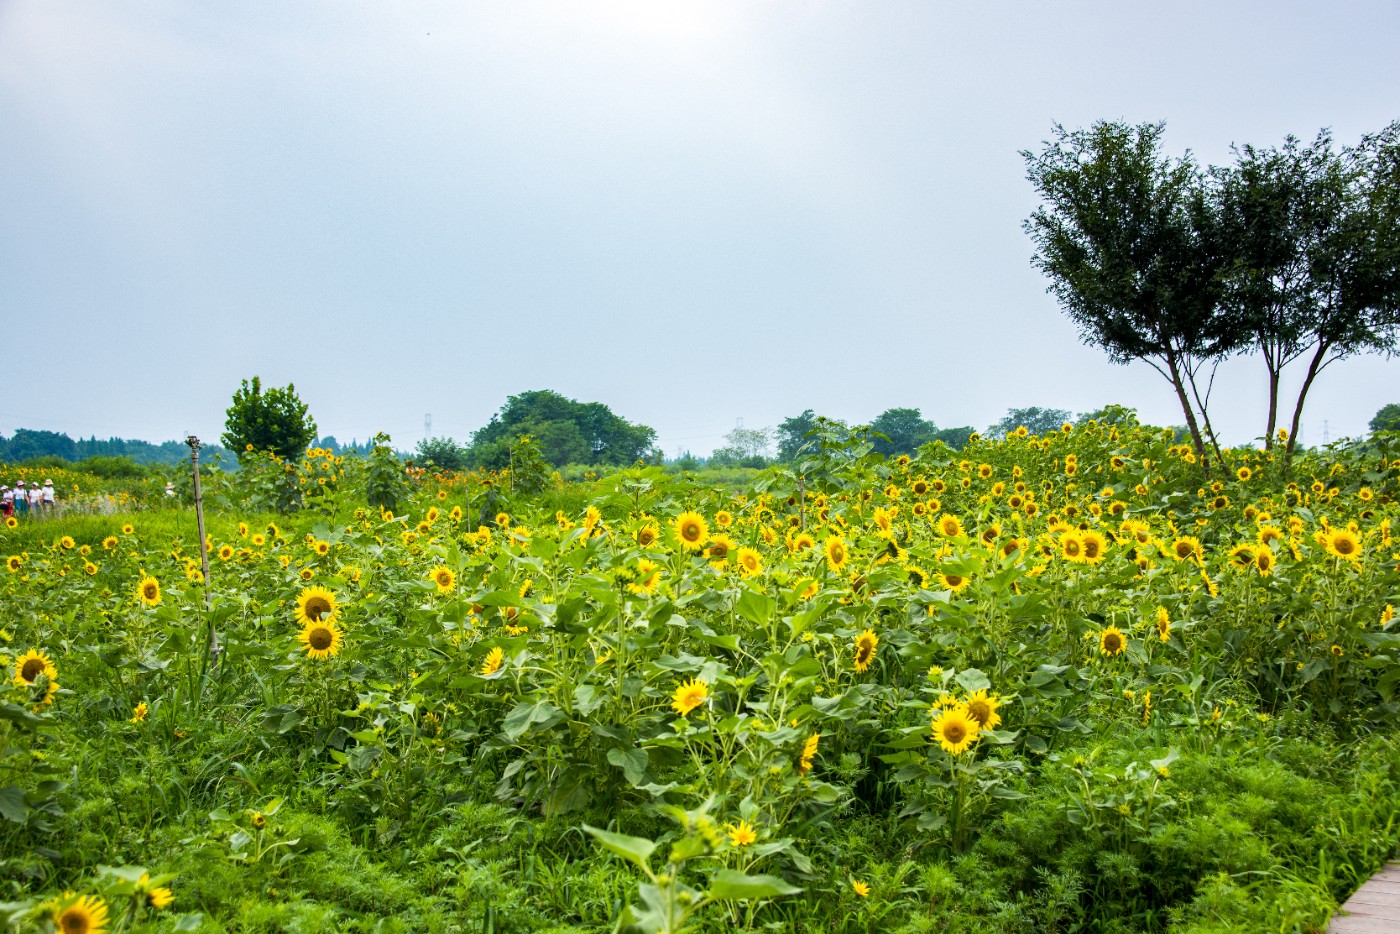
(1044,684)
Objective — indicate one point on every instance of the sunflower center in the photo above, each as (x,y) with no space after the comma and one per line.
(980,711)
(1344,546)
(317,607)
(1091,549)
(838,554)
(1182,549)
(954,732)
(150,591)
(1112,643)
(645,537)
(320,638)
(719,550)
(953,580)
(31,669)
(74,921)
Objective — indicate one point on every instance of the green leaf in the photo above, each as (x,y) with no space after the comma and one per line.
(635,850)
(633,763)
(756,607)
(13,804)
(519,721)
(973,680)
(733,885)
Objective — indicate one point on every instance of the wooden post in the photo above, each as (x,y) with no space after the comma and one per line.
(193,442)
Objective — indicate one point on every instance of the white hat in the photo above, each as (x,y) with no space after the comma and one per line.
(20,483)
(48,483)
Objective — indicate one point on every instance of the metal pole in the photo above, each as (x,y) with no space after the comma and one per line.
(193,442)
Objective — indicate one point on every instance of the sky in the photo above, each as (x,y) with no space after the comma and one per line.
(695,212)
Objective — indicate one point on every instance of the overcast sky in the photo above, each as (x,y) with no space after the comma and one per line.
(694,212)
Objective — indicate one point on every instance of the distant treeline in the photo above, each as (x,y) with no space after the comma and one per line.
(29,445)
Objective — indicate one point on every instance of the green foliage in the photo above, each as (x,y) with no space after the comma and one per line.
(1036,420)
(442,454)
(566,432)
(384,480)
(272,422)
(1387,419)
(791,434)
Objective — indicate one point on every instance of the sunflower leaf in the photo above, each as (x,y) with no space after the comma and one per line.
(731,884)
(636,850)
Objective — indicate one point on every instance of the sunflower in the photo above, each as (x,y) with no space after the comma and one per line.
(1071,546)
(800,542)
(917,576)
(719,549)
(1244,473)
(984,471)
(919,487)
(32,664)
(1164,624)
(109,542)
(75,914)
(809,754)
(647,535)
(692,530)
(138,713)
(1093,545)
(984,709)
(14,563)
(66,543)
(307,573)
(1264,560)
(1187,547)
(128,529)
(225,552)
(749,561)
(836,554)
(444,578)
(861,888)
(955,729)
(316,605)
(1111,641)
(148,591)
(741,834)
(1242,556)
(952,582)
(503,520)
(865,649)
(648,577)
(1344,543)
(949,526)
(723,519)
(320,639)
(690,695)
(494,659)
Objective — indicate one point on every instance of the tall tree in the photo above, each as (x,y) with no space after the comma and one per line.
(904,430)
(1038,421)
(275,420)
(1358,304)
(792,433)
(1387,419)
(565,430)
(1128,240)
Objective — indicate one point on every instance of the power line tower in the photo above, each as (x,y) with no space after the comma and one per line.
(428,427)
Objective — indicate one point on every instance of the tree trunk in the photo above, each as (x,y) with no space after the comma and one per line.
(1205,412)
(1273,408)
(1314,366)
(1190,413)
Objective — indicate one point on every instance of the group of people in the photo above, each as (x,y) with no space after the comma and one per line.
(35,501)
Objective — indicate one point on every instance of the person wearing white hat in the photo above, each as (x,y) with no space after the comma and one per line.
(36,500)
(21,499)
(7,501)
(50,502)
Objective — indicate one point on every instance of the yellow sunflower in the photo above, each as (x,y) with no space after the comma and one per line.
(225,552)
(444,578)
(865,646)
(1264,560)
(809,754)
(1164,624)
(984,709)
(647,535)
(949,526)
(749,561)
(741,834)
(1187,547)
(691,530)
(1344,543)
(32,664)
(955,729)
(75,914)
(953,582)
(1093,545)
(719,549)
(148,591)
(836,554)
(690,695)
(723,519)
(1112,642)
(494,659)
(316,605)
(320,639)
(1072,547)
(14,563)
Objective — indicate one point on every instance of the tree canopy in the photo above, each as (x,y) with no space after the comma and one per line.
(1387,419)
(275,421)
(1037,421)
(565,430)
